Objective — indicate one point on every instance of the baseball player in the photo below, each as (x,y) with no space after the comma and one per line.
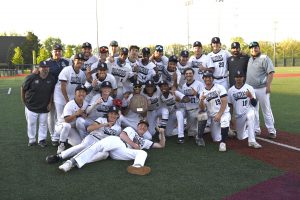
(146,68)
(182,64)
(67,122)
(97,79)
(241,97)
(101,128)
(160,61)
(172,75)
(69,78)
(56,64)
(191,88)
(122,71)
(213,99)
(103,55)
(200,62)
(98,107)
(219,58)
(260,75)
(114,49)
(126,147)
(37,93)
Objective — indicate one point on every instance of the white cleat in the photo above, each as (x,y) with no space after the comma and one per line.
(61,147)
(67,166)
(222,147)
(254,145)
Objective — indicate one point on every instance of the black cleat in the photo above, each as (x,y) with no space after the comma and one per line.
(180,140)
(52,159)
(55,143)
(42,143)
(31,144)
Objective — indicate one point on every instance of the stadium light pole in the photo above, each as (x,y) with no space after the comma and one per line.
(187,4)
(97,27)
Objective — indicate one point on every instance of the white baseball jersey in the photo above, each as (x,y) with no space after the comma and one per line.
(108,77)
(134,136)
(103,132)
(132,64)
(187,90)
(168,76)
(100,110)
(162,64)
(87,63)
(213,99)
(70,108)
(239,100)
(154,100)
(168,102)
(73,79)
(203,60)
(220,63)
(146,72)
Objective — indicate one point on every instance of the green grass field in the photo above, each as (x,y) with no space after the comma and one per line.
(178,171)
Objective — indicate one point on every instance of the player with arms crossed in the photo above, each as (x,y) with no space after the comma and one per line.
(241,97)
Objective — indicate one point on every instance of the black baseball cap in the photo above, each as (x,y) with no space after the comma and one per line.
(253,44)
(137,83)
(207,74)
(215,40)
(145,50)
(197,44)
(57,47)
(173,58)
(235,45)
(184,53)
(124,51)
(143,122)
(106,84)
(239,73)
(149,83)
(79,56)
(102,66)
(44,64)
(86,45)
(159,48)
(163,82)
(113,109)
(80,87)
(114,43)
(134,47)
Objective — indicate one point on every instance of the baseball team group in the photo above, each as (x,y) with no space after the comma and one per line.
(111,105)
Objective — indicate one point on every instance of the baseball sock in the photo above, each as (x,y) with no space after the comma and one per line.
(201,127)
(224,133)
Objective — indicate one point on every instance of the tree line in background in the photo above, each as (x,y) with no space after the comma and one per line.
(32,51)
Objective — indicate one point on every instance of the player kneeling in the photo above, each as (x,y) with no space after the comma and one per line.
(241,97)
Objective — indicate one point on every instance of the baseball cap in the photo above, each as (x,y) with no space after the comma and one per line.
(137,83)
(113,109)
(143,122)
(106,84)
(207,74)
(253,44)
(145,50)
(44,64)
(134,47)
(235,45)
(239,73)
(79,56)
(163,82)
(124,51)
(197,44)
(114,43)
(184,53)
(149,83)
(159,48)
(86,45)
(80,87)
(215,40)
(102,66)
(173,58)
(57,47)
(103,49)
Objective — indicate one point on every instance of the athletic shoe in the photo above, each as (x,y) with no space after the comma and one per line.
(272,135)
(55,143)
(61,148)
(42,143)
(180,140)
(144,170)
(67,166)
(31,144)
(52,159)
(200,141)
(255,145)
(222,147)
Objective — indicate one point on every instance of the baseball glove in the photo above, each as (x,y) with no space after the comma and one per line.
(138,104)
(117,103)
(144,170)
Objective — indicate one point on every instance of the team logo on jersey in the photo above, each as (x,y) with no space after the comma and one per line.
(217,58)
(240,95)
(103,108)
(118,72)
(139,140)
(143,70)
(109,131)
(75,80)
(211,95)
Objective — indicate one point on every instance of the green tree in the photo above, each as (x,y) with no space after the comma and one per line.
(43,55)
(266,47)
(18,56)
(50,42)
(31,43)
(69,51)
(174,49)
(10,54)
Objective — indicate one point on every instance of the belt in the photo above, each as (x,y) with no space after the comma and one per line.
(220,77)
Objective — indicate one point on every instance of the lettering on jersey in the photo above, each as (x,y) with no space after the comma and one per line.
(75,80)
(139,140)
(85,66)
(188,92)
(154,101)
(103,108)
(217,58)
(160,66)
(118,72)
(170,101)
(240,95)
(143,70)
(211,95)
(195,64)
(109,131)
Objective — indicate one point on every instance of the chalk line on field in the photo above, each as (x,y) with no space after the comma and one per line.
(279,144)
